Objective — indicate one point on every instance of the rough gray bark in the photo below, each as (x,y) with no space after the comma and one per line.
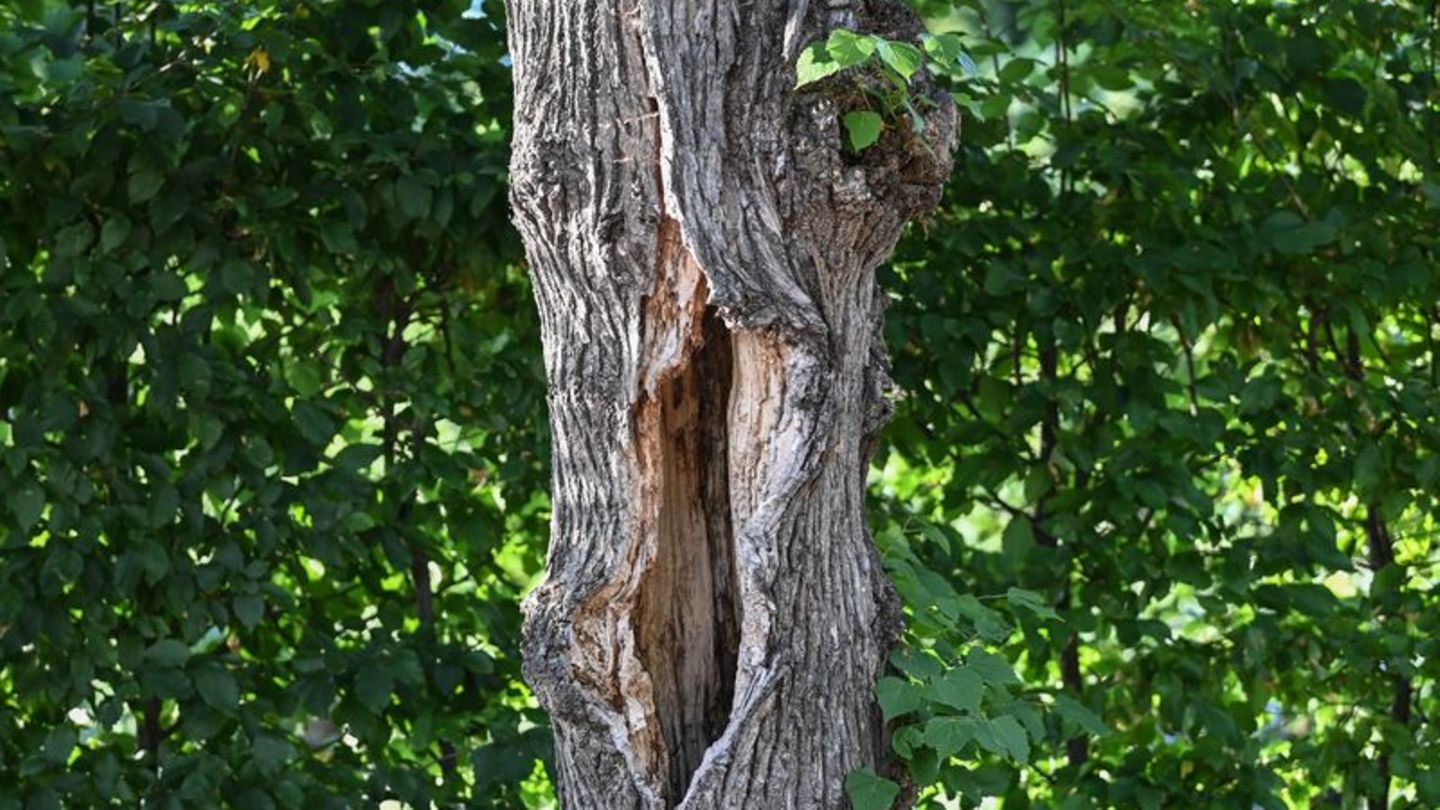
(703,250)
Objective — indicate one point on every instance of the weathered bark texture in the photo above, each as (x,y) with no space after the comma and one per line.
(703,250)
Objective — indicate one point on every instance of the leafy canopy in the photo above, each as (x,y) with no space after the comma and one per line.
(272,460)
(1169,355)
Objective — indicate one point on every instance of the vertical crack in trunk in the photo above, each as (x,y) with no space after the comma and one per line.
(686,625)
(685,622)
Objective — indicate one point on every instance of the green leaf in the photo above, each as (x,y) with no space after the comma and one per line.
(237,276)
(500,764)
(59,743)
(1079,715)
(414,196)
(339,238)
(915,663)
(194,374)
(153,560)
(996,107)
(144,184)
(814,64)
(65,565)
(1112,78)
(991,668)
(26,503)
(167,653)
(1369,467)
(1311,598)
(357,457)
(863,128)
(164,501)
(1031,601)
(316,693)
(1016,69)
(949,735)
(167,683)
(1018,540)
(217,688)
(1012,736)
(138,113)
(271,752)
(943,48)
(897,697)
(306,377)
(870,791)
(924,765)
(960,689)
(1429,784)
(114,233)
(204,781)
(253,798)
(906,740)
(848,48)
(249,609)
(373,685)
(72,240)
(314,424)
(901,57)
(1346,95)
(1289,234)
(939,535)
(988,623)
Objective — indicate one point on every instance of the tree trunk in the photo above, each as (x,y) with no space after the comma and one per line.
(703,249)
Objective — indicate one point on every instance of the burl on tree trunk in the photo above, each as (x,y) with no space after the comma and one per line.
(703,248)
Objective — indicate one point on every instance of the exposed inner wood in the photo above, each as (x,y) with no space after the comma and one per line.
(685,619)
(686,622)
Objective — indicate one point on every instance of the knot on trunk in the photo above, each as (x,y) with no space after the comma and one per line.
(903,172)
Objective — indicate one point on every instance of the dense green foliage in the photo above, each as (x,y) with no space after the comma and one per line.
(1169,355)
(1159,494)
(271,456)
